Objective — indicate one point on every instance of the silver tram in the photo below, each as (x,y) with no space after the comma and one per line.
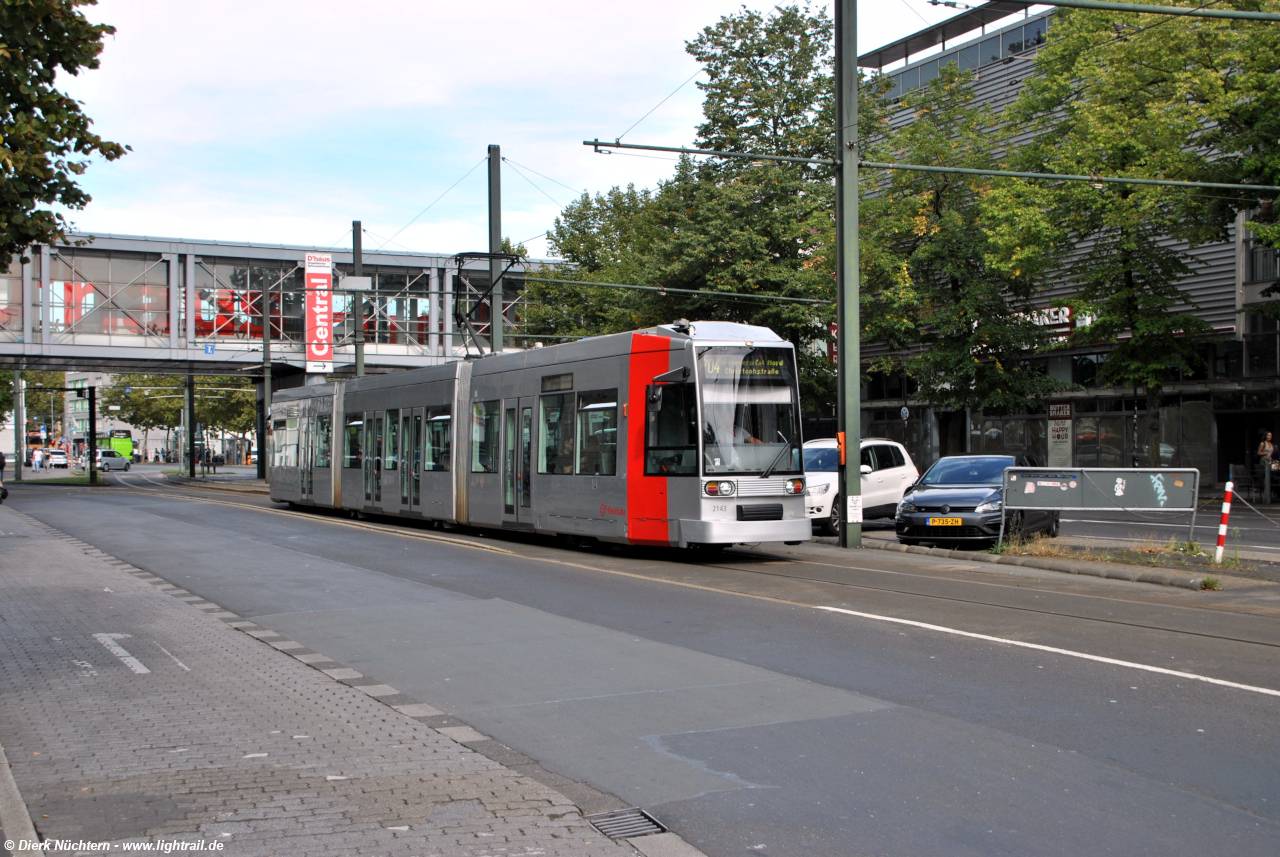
(680,435)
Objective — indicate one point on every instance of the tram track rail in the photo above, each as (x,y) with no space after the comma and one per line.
(168,489)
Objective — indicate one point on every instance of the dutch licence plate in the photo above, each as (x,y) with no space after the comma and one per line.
(944,522)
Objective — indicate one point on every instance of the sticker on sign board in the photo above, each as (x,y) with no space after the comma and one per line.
(855,509)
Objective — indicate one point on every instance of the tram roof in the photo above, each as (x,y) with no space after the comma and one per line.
(709,332)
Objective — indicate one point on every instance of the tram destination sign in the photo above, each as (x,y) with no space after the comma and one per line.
(1130,489)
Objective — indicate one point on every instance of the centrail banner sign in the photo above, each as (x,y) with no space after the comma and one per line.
(319,285)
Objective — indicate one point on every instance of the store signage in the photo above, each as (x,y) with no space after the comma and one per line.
(1060,435)
(319,284)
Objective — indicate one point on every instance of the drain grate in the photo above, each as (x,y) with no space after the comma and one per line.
(625,823)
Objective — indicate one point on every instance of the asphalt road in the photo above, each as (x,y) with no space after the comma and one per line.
(717,696)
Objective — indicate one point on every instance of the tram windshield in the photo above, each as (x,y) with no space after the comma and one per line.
(750,410)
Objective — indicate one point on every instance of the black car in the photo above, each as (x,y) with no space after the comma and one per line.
(958,500)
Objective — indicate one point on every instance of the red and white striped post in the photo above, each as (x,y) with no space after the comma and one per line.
(1222,526)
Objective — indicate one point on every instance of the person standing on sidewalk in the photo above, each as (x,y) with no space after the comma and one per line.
(36,458)
(3,462)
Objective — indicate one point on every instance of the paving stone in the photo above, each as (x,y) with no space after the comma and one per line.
(173,754)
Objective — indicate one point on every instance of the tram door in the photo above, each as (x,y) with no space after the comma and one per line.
(411,460)
(372,457)
(517,463)
(306,456)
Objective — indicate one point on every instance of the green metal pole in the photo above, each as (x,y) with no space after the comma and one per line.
(496,320)
(191,426)
(847,279)
(19,426)
(357,270)
(93,435)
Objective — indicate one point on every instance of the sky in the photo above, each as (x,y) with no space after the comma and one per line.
(280,122)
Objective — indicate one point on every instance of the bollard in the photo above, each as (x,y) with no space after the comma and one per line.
(1222,527)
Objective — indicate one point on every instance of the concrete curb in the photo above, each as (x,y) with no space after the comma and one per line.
(1132,573)
(14,817)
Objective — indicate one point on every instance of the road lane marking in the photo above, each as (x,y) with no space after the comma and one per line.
(170,654)
(109,641)
(1051,649)
(872,616)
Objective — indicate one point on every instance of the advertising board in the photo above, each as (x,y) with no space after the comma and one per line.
(319,285)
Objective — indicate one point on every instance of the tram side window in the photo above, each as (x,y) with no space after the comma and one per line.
(671,431)
(598,433)
(485,431)
(391,450)
(555,453)
(284,437)
(324,441)
(352,455)
(439,449)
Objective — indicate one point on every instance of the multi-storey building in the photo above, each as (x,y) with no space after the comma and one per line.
(1212,419)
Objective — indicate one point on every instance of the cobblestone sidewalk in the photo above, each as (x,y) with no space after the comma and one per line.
(131,715)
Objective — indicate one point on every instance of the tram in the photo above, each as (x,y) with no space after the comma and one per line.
(683,435)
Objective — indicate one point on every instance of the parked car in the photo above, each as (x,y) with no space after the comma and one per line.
(958,500)
(887,471)
(109,459)
(56,458)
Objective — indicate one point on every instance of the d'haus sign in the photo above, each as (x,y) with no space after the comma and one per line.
(319,285)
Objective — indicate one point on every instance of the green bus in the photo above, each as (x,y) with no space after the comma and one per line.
(121,440)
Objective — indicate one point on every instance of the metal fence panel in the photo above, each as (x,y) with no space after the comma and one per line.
(1127,489)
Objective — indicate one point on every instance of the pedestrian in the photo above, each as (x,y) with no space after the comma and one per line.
(36,458)
(4,492)
(1266,450)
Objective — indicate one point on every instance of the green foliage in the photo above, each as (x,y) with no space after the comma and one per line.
(1123,95)
(152,402)
(751,228)
(37,402)
(954,262)
(47,141)
(769,83)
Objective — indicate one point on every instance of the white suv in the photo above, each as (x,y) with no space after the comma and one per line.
(887,473)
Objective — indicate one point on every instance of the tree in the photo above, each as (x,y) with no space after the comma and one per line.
(47,141)
(37,403)
(146,402)
(722,226)
(1148,96)
(150,402)
(947,287)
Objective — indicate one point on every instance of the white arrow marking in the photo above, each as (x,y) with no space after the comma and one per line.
(109,641)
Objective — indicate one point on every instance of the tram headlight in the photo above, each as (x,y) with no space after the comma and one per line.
(719,489)
(795,486)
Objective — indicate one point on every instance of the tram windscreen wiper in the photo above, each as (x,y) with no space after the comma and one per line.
(777,459)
